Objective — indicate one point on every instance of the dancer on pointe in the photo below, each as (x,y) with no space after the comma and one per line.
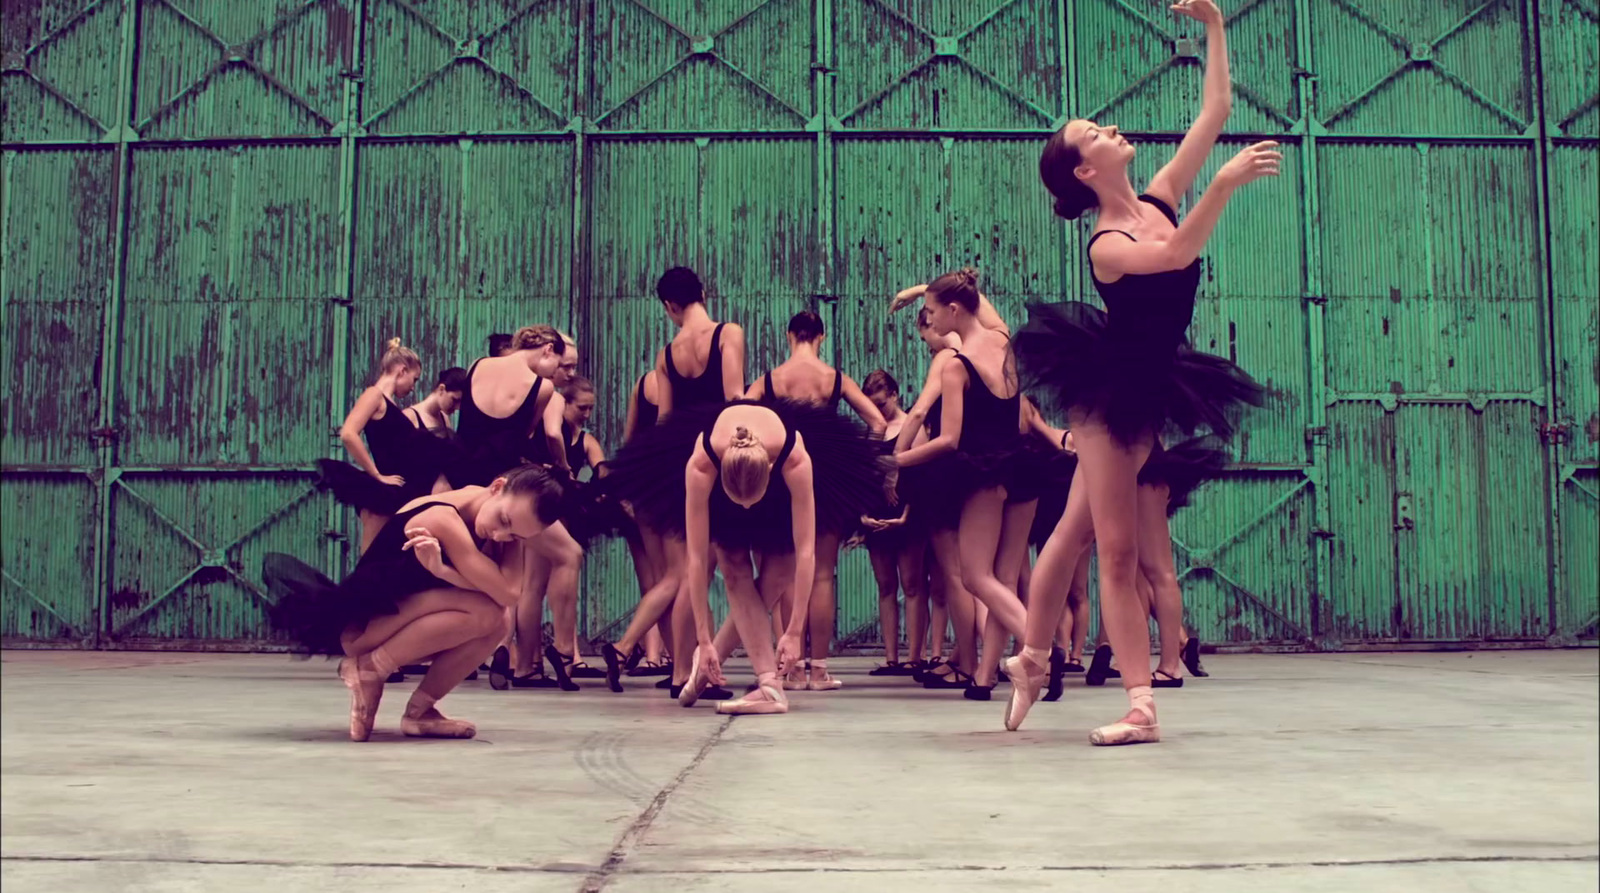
(1126,373)
(436,584)
(979,465)
(759,477)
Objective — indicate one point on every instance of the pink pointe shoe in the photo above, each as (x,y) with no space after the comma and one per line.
(1124,732)
(696,684)
(422,720)
(1026,679)
(820,679)
(768,698)
(366,689)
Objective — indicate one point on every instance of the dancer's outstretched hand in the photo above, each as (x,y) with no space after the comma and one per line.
(710,666)
(1255,162)
(422,541)
(1200,10)
(788,652)
(906,297)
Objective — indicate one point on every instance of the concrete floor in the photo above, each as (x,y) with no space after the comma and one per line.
(1369,772)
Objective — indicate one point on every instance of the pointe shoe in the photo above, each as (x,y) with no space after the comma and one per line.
(366,688)
(768,699)
(1026,679)
(695,685)
(799,676)
(1123,732)
(439,727)
(826,682)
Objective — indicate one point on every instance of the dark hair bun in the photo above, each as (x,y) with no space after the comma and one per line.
(1073,206)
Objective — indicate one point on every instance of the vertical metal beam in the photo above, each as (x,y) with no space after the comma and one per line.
(1071,234)
(1560,633)
(822,111)
(1316,335)
(579,279)
(111,327)
(336,552)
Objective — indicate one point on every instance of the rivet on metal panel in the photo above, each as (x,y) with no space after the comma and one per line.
(702,45)
(947,46)
(1389,402)
(1421,52)
(467,49)
(14,61)
(1186,48)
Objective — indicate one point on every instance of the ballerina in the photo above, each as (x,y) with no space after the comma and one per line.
(1126,373)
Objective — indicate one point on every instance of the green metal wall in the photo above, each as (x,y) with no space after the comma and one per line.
(215,212)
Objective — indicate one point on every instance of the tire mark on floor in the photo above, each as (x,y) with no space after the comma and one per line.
(630,837)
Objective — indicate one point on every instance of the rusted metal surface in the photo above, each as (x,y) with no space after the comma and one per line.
(215,213)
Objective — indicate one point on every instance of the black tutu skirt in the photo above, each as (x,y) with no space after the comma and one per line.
(1069,359)
(938,489)
(847,477)
(314,611)
(590,512)
(1056,483)
(1183,467)
(429,454)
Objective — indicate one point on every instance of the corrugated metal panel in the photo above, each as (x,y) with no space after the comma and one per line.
(47,587)
(217,68)
(1430,268)
(1245,568)
(1575,268)
(65,83)
(1361,605)
(1568,32)
(1406,69)
(230,223)
(1579,603)
(189,552)
(1124,68)
(655,69)
(58,263)
(470,67)
(1470,528)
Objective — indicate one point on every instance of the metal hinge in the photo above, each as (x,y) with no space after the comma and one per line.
(1554,434)
(1317,435)
(111,433)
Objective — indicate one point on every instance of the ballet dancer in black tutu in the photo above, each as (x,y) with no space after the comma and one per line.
(434,585)
(755,477)
(1126,374)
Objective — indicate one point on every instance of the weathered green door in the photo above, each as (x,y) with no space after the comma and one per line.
(215,213)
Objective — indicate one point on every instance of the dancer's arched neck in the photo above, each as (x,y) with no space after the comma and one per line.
(1118,201)
(695,316)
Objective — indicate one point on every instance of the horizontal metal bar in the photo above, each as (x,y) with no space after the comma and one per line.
(1534,397)
(797,132)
